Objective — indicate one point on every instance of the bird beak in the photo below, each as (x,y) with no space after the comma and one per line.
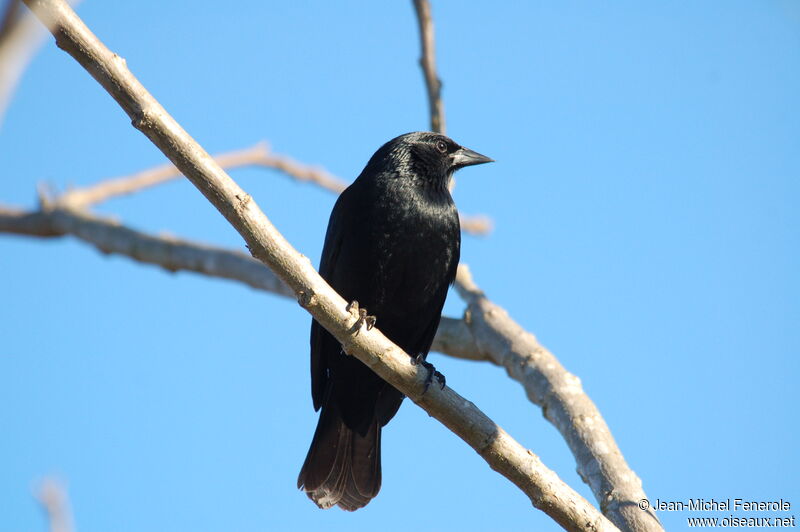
(466,157)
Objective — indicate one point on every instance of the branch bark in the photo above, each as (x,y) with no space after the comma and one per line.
(503,454)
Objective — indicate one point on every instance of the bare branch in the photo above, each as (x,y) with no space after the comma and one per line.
(522,467)
(19,222)
(52,495)
(476,225)
(428,64)
(454,338)
(600,463)
(172,254)
(303,172)
(563,402)
(20,37)
(9,17)
(257,155)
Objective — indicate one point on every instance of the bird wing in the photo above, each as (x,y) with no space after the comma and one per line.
(322,343)
(432,314)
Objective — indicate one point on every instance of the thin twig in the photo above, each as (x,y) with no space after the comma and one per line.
(21,35)
(257,155)
(476,225)
(508,457)
(52,495)
(428,63)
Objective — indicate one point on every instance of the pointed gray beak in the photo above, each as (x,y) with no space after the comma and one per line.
(466,157)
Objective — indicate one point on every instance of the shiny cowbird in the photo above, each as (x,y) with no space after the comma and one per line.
(392,245)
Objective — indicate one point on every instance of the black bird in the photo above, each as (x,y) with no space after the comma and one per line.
(393,244)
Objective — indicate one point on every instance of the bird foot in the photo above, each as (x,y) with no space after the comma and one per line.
(420,359)
(362,317)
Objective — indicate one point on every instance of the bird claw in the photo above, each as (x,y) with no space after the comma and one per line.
(420,359)
(363,317)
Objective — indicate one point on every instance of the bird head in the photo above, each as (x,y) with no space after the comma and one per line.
(426,156)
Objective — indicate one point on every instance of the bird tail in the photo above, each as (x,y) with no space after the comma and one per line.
(342,466)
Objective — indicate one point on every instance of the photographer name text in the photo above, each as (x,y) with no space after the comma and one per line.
(720,505)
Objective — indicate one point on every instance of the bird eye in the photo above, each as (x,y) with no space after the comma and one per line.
(441,146)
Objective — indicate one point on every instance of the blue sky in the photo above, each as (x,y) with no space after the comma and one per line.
(644,199)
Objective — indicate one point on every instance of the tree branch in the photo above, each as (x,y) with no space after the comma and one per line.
(428,63)
(505,455)
(28,223)
(9,17)
(172,254)
(453,337)
(20,38)
(53,498)
(257,155)
(564,403)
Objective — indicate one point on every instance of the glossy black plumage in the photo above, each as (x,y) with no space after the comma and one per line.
(393,245)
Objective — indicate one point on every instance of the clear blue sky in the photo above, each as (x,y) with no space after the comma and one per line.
(644,197)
